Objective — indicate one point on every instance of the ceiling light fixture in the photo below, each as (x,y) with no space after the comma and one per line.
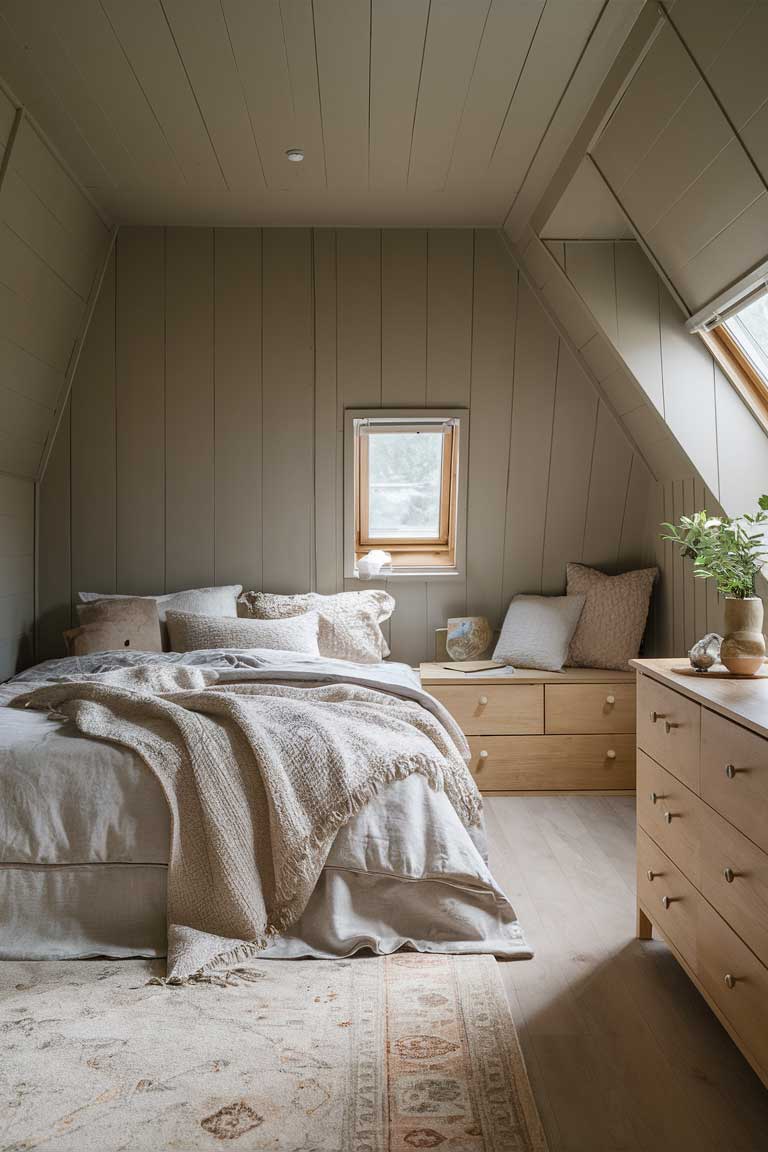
(295,154)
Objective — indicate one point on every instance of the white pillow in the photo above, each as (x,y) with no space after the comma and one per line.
(220,601)
(537,631)
(190,632)
(349,621)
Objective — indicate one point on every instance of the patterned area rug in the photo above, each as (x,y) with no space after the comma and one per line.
(365,1055)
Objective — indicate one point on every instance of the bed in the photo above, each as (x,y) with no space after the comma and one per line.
(84,836)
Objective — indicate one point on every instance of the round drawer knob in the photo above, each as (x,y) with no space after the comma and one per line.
(729,875)
(668,817)
(730,981)
(654,797)
(668,726)
(610,699)
(665,901)
(656,716)
(483,754)
(483,700)
(611,755)
(730,771)
(652,875)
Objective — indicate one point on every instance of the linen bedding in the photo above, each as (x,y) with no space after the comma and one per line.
(84,834)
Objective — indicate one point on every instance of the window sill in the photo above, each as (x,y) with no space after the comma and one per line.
(401,573)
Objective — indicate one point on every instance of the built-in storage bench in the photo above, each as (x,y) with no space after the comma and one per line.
(570,731)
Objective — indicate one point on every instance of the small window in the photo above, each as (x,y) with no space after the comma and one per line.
(744,336)
(406,488)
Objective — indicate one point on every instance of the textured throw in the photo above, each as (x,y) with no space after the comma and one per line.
(259,778)
(383,1054)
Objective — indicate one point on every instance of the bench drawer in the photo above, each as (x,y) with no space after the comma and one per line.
(588,708)
(553,763)
(496,708)
(668,729)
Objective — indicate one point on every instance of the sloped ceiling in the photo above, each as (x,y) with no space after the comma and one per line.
(409,111)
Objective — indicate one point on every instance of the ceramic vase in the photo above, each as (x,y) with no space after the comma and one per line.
(469,637)
(743,647)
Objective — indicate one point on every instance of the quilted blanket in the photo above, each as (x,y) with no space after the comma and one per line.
(259,777)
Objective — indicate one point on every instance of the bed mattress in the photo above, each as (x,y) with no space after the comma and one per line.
(84,833)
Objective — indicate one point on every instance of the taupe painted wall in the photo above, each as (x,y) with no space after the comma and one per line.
(203,442)
(17,573)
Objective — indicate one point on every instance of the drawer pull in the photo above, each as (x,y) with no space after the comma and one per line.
(483,701)
(610,699)
(610,754)
(730,981)
(656,716)
(668,726)
(655,796)
(652,875)
(667,900)
(729,875)
(483,755)
(730,771)
(669,816)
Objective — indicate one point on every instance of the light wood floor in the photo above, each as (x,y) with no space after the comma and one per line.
(622,1051)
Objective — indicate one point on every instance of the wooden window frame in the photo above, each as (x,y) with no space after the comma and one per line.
(442,555)
(740,371)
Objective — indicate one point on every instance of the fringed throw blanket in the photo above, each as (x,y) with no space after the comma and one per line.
(259,778)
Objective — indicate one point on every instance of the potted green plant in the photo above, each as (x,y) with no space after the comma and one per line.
(730,552)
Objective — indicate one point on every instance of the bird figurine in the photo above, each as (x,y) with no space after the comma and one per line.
(705,652)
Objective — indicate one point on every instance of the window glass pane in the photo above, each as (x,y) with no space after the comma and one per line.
(749,329)
(404,478)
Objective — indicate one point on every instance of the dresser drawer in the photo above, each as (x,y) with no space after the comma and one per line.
(577,708)
(734,775)
(736,981)
(734,877)
(668,729)
(498,709)
(552,763)
(671,814)
(668,897)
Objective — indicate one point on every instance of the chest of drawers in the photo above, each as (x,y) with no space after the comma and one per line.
(570,731)
(702,838)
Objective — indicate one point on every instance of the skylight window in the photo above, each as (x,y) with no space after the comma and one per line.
(738,337)
(749,330)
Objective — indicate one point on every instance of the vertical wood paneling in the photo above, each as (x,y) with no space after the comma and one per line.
(189,408)
(54,583)
(450,275)
(573,436)
(232,471)
(94,555)
(608,484)
(288,403)
(237,406)
(329,423)
(404,317)
(637,310)
(140,410)
(17,575)
(493,350)
(359,317)
(590,268)
(536,357)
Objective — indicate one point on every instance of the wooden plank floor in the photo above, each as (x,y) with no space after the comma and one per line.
(623,1053)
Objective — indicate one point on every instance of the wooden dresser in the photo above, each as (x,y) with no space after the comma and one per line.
(570,731)
(702,838)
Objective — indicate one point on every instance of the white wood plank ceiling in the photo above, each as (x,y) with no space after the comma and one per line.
(408,111)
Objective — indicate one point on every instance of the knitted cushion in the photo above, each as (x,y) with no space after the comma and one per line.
(349,621)
(611,626)
(189,632)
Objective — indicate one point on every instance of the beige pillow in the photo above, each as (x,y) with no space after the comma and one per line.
(612,622)
(220,601)
(114,625)
(189,632)
(349,621)
(537,631)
